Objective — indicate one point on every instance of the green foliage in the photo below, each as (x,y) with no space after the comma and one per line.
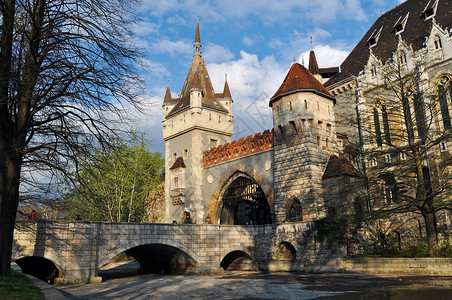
(18,286)
(113,184)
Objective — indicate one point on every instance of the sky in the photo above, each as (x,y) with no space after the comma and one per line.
(252,42)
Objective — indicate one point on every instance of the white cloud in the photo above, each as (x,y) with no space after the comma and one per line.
(172,48)
(269,11)
(252,40)
(252,82)
(326,56)
(217,53)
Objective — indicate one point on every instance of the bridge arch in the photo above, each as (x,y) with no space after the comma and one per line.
(216,202)
(236,259)
(44,267)
(152,241)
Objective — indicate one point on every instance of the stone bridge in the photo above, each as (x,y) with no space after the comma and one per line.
(75,251)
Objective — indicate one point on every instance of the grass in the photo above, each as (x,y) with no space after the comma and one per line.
(18,286)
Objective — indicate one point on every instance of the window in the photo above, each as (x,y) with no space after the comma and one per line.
(185,153)
(373,162)
(444,106)
(305,104)
(290,106)
(373,70)
(386,126)
(442,147)
(419,114)
(402,58)
(430,9)
(213,143)
(174,156)
(437,42)
(402,156)
(373,39)
(388,158)
(295,211)
(390,189)
(175,182)
(377,128)
(318,141)
(399,26)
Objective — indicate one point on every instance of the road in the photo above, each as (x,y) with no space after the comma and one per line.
(255,285)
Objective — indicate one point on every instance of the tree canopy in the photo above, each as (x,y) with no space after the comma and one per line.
(113,184)
(66,68)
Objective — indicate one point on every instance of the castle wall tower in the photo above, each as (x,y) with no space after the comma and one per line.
(304,130)
(193,122)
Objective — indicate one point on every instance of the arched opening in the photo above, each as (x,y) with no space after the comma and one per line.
(39,267)
(237,260)
(162,259)
(244,203)
(286,251)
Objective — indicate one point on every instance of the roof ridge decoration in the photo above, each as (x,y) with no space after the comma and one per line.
(299,79)
(239,148)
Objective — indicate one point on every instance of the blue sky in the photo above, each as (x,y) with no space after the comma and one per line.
(254,42)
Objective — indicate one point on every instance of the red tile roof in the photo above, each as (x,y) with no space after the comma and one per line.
(340,166)
(417,28)
(299,79)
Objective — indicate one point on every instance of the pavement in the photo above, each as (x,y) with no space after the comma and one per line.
(49,292)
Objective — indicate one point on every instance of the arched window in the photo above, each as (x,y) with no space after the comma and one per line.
(386,125)
(377,127)
(295,211)
(437,42)
(443,103)
(390,190)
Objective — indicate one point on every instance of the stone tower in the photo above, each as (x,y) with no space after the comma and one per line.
(196,121)
(304,131)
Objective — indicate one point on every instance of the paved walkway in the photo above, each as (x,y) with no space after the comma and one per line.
(255,285)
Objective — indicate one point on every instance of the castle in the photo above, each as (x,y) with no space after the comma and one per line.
(271,177)
(301,167)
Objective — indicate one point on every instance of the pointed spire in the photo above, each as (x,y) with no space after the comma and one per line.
(168,98)
(226,91)
(197,45)
(313,66)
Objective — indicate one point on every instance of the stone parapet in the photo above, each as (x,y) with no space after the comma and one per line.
(238,148)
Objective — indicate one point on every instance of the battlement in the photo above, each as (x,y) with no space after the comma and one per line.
(238,148)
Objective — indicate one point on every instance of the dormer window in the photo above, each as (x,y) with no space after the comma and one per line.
(399,26)
(373,39)
(430,9)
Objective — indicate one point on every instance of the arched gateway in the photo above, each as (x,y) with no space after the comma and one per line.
(244,202)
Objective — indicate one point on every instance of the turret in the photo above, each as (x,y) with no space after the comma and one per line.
(196,95)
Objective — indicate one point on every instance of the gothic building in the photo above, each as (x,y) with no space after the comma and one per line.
(272,177)
(396,86)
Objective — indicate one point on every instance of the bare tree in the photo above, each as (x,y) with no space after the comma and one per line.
(65,67)
(405,125)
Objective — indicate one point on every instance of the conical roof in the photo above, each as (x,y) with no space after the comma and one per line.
(299,79)
(226,91)
(313,66)
(198,77)
(168,98)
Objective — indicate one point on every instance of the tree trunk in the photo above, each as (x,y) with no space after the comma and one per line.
(9,200)
(430,227)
